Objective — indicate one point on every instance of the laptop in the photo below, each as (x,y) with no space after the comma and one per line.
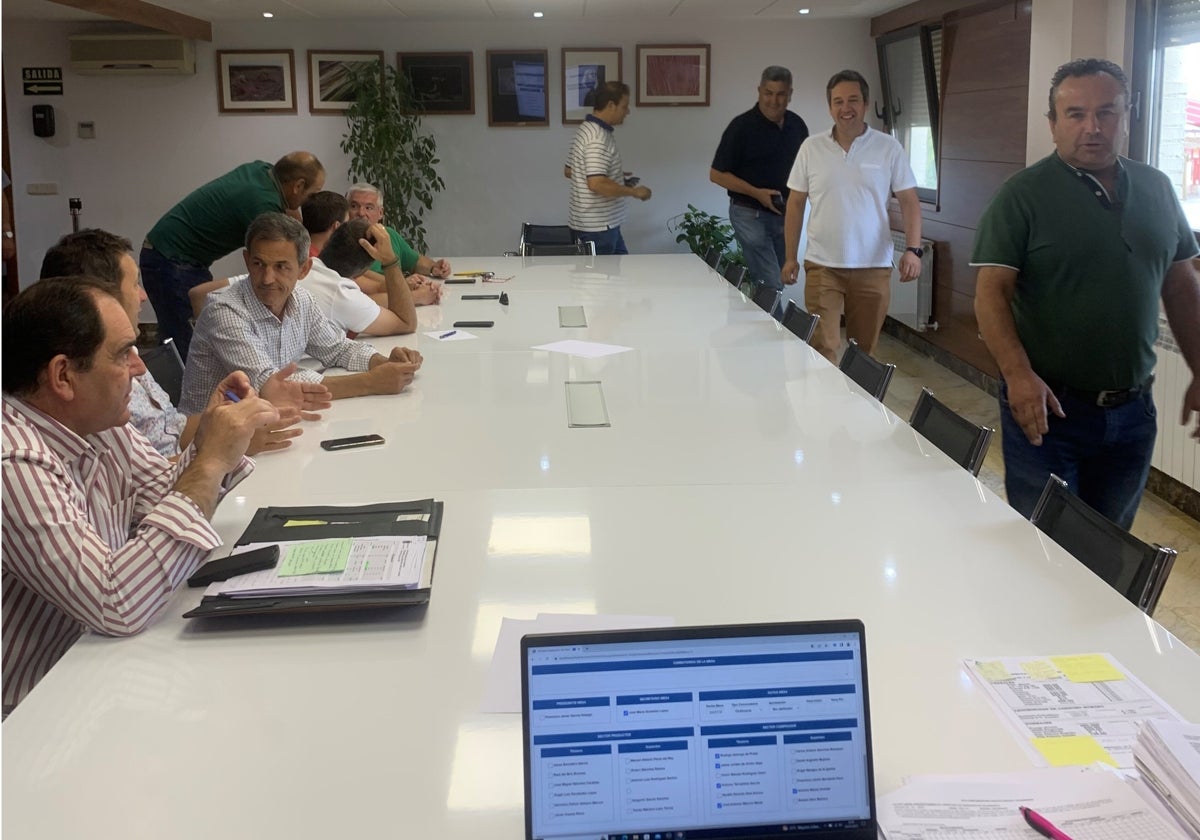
(735,732)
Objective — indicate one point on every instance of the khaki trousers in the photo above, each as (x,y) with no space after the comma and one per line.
(864,293)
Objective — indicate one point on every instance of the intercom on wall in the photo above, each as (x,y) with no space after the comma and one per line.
(43,120)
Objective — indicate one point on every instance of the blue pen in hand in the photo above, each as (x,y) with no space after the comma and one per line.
(232,397)
(447,335)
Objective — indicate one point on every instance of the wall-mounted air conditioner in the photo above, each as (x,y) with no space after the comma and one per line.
(132,53)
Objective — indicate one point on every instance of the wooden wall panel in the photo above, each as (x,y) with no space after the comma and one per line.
(987,50)
(985,125)
(968,186)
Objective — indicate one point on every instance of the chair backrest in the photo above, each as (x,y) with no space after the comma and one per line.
(166,366)
(735,274)
(873,375)
(713,256)
(1135,569)
(574,249)
(767,299)
(800,323)
(532,234)
(955,435)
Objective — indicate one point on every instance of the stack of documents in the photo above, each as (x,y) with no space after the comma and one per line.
(1070,710)
(1168,755)
(1084,804)
(309,567)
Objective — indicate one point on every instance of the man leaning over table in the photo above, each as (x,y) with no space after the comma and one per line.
(266,323)
(98,527)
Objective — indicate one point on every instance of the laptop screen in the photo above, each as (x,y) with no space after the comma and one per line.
(705,732)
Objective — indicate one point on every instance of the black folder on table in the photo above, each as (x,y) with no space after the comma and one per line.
(389,519)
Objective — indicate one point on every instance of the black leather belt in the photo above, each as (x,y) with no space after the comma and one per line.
(1105,399)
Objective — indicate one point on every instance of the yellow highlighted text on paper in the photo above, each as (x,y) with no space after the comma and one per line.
(316,558)
(1072,750)
(1040,669)
(993,671)
(1091,667)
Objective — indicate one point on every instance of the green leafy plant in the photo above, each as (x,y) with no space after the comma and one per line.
(389,150)
(703,231)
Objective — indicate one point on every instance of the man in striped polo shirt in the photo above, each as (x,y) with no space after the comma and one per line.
(598,184)
(99,528)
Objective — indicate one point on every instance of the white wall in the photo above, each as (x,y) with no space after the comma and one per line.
(158,137)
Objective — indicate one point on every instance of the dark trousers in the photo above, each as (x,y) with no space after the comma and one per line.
(167,285)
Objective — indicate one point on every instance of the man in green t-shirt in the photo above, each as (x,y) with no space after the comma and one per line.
(366,202)
(1074,255)
(211,222)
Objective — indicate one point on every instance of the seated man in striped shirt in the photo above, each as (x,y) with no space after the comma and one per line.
(266,323)
(98,527)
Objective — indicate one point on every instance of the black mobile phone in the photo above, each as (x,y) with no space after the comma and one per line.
(235,564)
(481,297)
(351,442)
(454,281)
(779,203)
(474,323)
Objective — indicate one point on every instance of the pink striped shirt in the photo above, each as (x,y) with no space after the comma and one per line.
(94,537)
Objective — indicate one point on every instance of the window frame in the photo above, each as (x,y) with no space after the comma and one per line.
(922,32)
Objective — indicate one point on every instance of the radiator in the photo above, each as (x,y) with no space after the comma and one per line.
(912,303)
(1175,453)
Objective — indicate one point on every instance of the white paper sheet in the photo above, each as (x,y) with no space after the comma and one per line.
(1085,804)
(586,349)
(502,691)
(451,335)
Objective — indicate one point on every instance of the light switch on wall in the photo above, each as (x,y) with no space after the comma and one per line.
(87,130)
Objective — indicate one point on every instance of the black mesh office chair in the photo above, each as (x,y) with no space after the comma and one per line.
(767,299)
(800,323)
(955,435)
(873,375)
(712,256)
(1135,569)
(574,249)
(166,366)
(534,235)
(735,274)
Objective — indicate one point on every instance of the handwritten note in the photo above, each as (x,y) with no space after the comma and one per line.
(1084,668)
(1040,669)
(1067,750)
(322,557)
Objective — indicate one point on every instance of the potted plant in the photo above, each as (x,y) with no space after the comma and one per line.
(389,150)
(703,231)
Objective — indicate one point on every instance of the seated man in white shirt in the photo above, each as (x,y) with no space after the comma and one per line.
(266,323)
(350,251)
(99,528)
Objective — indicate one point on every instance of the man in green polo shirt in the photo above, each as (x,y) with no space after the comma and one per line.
(366,202)
(211,222)
(1074,254)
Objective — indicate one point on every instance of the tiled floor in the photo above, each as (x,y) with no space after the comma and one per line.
(1157,522)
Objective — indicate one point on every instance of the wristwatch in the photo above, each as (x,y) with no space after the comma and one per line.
(920,252)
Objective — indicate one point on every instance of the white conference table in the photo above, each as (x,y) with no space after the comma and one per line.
(743,479)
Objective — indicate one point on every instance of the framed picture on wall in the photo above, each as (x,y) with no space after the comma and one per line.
(585,69)
(331,81)
(672,74)
(443,82)
(518,96)
(256,81)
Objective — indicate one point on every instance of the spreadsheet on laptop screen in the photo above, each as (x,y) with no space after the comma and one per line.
(674,738)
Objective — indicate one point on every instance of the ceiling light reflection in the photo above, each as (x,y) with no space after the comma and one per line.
(539,536)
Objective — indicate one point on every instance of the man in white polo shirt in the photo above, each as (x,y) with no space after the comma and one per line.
(849,172)
(593,166)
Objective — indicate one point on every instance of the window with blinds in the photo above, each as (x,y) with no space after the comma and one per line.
(1176,129)
(910,71)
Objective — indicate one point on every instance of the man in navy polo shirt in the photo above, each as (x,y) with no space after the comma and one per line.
(752,163)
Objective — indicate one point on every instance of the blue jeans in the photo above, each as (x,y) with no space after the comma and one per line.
(760,233)
(1102,453)
(607,241)
(167,284)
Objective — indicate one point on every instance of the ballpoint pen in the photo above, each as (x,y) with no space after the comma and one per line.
(232,397)
(1042,825)
(447,334)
